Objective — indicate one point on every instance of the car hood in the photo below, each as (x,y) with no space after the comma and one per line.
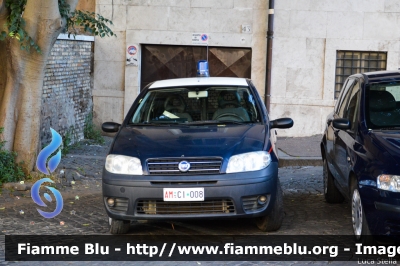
(192,141)
(390,141)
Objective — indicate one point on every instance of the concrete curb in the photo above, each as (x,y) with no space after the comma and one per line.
(17,186)
(300,161)
(287,160)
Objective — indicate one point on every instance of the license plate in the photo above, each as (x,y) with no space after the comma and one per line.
(184,194)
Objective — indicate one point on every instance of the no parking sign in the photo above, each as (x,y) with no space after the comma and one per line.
(131,55)
(200,38)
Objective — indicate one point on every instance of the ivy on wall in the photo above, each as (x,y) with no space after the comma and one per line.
(15,26)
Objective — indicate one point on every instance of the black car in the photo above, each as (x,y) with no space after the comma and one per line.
(194,148)
(361,152)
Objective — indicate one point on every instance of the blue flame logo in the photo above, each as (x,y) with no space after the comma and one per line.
(46,152)
(41,166)
(36,198)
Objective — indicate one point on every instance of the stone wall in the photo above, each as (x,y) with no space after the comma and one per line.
(87,5)
(307,36)
(67,89)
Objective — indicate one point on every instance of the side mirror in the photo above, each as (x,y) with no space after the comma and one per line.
(341,123)
(110,127)
(281,123)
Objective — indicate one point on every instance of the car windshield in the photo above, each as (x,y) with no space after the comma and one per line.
(383,105)
(197,105)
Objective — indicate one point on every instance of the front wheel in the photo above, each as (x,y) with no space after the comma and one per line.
(360,226)
(273,220)
(118,227)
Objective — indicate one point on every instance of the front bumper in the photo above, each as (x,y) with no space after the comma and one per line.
(382,210)
(226,195)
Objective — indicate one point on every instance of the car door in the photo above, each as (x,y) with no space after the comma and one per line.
(345,139)
(332,132)
(330,151)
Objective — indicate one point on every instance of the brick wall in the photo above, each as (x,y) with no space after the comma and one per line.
(67,89)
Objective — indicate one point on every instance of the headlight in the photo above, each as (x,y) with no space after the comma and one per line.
(251,161)
(124,165)
(389,182)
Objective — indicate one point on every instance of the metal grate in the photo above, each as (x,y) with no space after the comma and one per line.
(353,62)
(159,207)
(169,166)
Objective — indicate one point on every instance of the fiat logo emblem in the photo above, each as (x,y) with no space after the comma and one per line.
(184,166)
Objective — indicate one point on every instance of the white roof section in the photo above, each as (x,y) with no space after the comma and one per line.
(200,81)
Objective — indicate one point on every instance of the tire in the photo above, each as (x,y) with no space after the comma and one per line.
(118,227)
(331,193)
(273,220)
(359,222)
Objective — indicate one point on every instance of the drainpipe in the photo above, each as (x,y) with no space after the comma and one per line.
(270,36)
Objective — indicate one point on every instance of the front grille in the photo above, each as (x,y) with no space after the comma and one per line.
(198,166)
(159,207)
(120,206)
(250,204)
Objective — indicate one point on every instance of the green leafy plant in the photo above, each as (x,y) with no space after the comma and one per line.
(10,170)
(90,21)
(91,132)
(15,25)
(69,141)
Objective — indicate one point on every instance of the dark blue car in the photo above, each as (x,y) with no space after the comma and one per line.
(194,148)
(361,152)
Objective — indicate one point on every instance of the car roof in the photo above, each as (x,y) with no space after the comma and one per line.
(378,76)
(199,81)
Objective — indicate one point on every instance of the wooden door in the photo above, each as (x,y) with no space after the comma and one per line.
(172,61)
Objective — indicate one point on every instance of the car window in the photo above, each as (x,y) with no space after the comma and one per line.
(345,97)
(339,100)
(395,91)
(351,111)
(383,105)
(196,105)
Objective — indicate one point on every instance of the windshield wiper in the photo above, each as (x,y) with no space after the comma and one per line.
(151,124)
(387,128)
(215,122)
(160,124)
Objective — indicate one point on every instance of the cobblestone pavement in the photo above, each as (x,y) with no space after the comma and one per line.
(306,211)
(87,159)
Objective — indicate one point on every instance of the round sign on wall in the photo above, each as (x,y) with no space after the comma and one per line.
(132,50)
